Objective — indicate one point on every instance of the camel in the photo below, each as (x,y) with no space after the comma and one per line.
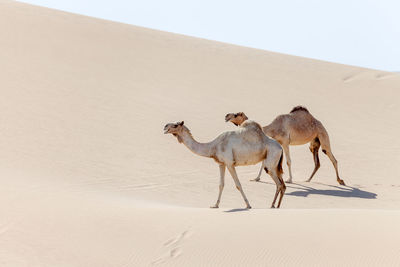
(246,146)
(298,127)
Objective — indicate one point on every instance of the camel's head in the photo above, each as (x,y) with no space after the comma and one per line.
(236,118)
(173,128)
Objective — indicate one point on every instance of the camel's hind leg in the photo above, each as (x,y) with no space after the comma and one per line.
(274,169)
(282,190)
(326,148)
(238,185)
(280,187)
(277,182)
(221,185)
(314,147)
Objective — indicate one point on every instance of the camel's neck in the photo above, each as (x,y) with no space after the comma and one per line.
(201,149)
(267,130)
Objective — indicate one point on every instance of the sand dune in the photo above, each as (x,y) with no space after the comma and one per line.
(89,179)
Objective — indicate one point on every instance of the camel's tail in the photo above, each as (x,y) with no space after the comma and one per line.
(279,167)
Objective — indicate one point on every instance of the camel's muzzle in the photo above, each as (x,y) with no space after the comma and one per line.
(228,117)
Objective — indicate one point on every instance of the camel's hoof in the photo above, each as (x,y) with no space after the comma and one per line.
(341,182)
(288,181)
(214,207)
(248,207)
(308,180)
(255,180)
(272,207)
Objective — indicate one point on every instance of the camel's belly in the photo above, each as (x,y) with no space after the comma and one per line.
(300,139)
(247,162)
(246,159)
(299,142)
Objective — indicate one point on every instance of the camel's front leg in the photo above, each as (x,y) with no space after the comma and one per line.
(259,173)
(326,148)
(238,185)
(221,185)
(334,162)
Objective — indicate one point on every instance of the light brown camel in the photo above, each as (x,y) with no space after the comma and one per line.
(246,146)
(296,128)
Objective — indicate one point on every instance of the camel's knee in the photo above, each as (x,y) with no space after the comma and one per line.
(332,158)
(221,187)
(330,155)
(282,187)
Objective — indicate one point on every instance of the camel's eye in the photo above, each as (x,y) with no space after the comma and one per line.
(236,115)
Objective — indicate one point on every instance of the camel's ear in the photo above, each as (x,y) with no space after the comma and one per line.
(181,123)
(242,115)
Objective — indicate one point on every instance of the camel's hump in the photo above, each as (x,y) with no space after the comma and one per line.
(250,123)
(299,108)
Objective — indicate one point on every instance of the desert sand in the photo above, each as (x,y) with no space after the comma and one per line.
(87,177)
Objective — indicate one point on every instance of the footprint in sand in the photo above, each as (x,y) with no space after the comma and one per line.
(348,78)
(351,76)
(173,248)
(385,75)
(379,76)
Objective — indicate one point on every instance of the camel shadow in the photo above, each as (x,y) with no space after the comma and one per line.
(338,191)
(236,210)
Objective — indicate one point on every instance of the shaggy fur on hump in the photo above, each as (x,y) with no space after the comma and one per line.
(298,108)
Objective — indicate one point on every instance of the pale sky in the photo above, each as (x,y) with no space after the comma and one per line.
(363,33)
